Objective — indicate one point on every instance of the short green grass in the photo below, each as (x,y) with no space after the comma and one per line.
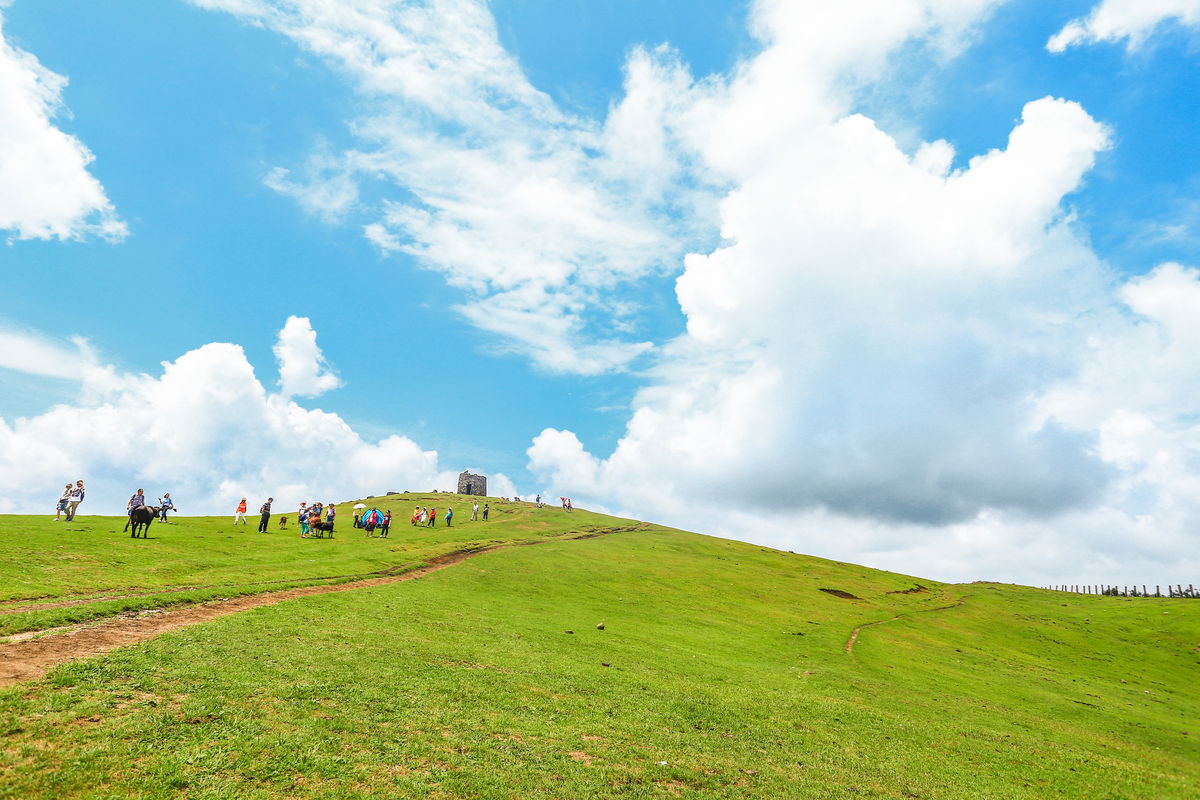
(102,571)
(721,671)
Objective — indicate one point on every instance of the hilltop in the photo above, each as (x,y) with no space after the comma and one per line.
(721,669)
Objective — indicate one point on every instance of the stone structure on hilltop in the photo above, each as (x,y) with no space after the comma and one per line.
(472,484)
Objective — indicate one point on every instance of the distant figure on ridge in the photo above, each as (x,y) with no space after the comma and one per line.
(266,515)
(165,503)
(240,513)
(137,501)
(63,500)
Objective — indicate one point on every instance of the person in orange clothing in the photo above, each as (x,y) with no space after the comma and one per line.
(241,512)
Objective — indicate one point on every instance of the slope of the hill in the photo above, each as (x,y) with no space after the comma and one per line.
(722,669)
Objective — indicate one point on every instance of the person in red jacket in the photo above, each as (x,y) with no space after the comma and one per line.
(241,512)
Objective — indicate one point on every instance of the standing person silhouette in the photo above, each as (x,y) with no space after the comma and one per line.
(76,498)
(266,515)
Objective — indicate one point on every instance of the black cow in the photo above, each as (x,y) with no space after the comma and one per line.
(323,528)
(141,517)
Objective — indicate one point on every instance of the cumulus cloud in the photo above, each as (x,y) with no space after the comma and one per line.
(1134,20)
(536,214)
(46,190)
(302,367)
(892,360)
(205,430)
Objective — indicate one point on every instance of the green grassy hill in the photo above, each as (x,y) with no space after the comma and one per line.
(722,670)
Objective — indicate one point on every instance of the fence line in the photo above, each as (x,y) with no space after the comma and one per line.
(1128,590)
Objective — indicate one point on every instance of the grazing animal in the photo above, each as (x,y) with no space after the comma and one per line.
(323,528)
(141,517)
(282,522)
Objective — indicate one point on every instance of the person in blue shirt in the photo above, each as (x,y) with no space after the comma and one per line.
(165,503)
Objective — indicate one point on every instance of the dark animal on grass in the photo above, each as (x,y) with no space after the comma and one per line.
(322,528)
(282,522)
(140,518)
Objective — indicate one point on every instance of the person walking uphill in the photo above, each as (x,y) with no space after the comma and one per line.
(76,498)
(449,516)
(240,513)
(266,515)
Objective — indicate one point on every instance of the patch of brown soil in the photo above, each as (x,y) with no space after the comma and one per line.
(31,657)
(841,594)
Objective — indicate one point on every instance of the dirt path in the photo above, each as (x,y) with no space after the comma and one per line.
(29,656)
(854,636)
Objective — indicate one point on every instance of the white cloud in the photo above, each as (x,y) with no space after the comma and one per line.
(302,367)
(538,216)
(205,430)
(1114,20)
(880,359)
(46,190)
(35,354)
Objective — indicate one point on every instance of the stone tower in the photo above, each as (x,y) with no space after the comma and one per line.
(472,484)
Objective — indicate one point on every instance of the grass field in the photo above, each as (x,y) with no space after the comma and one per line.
(721,671)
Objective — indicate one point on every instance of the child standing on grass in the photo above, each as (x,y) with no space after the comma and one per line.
(240,513)
(63,499)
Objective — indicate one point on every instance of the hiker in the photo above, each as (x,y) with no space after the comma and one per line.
(433,517)
(266,515)
(387,523)
(424,519)
(240,513)
(416,515)
(474,511)
(538,501)
(449,516)
(330,513)
(137,501)
(63,499)
(485,510)
(569,506)
(357,519)
(164,503)
(76,498)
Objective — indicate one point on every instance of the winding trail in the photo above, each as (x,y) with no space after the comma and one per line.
(28,656)
(854,636)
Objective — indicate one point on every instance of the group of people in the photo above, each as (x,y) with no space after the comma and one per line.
(69,500)
(307,516)
(373,520)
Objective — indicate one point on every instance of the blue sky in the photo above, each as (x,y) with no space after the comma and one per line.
(903,283)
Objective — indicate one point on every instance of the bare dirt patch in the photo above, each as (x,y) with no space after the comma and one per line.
(841,594)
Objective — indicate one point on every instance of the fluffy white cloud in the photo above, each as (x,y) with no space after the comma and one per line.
(205,430)
(895,361)
(1135,20)
(534,213)
(46,190)
(302,367)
